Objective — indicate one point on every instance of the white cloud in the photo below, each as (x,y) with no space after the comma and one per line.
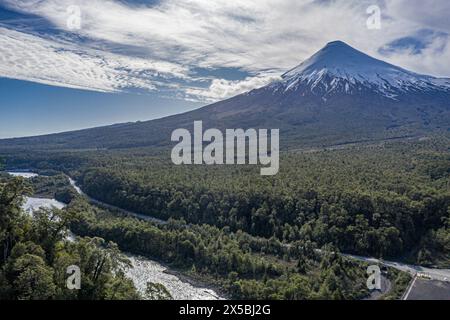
(434,59)
(29,57)
(261,36)
(221,89)
(434,15)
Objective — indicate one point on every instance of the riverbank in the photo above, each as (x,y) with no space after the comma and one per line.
(180,286)
(143,270)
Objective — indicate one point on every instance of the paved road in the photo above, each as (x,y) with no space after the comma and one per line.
(422,289)
(433,274)
(409,289)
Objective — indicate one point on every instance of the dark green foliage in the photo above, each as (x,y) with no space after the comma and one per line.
(35,255)
(156,291)
(245,266)
(53,186)
(257,236)
(384,201)
(400,282)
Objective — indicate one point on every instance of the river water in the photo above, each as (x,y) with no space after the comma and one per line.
(33,204)
(143,270)
(23,174)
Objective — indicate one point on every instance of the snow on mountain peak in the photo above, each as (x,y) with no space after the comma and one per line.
(340,68)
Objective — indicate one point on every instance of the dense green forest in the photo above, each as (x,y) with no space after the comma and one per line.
(389,201)
(244,266)
(383,201)
(258,237)
(35,255)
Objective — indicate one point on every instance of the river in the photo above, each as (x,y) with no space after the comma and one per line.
(32,204)
(114,208)
(143,270)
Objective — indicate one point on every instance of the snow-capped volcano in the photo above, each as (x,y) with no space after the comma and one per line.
(339,68)
(338,96)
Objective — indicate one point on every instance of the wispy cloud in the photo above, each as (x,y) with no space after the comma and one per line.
(28,57)
(159,45)
(221,89)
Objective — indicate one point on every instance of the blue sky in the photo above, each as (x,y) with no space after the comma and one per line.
(70,64)
(29,108)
